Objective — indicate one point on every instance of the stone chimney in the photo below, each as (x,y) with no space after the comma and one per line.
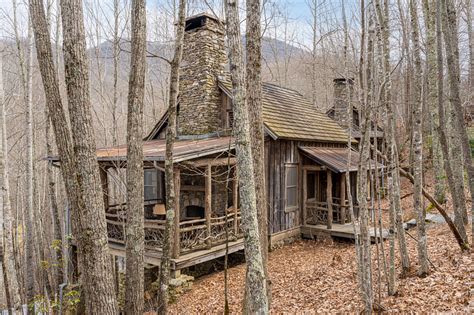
(204,58)
(341,100)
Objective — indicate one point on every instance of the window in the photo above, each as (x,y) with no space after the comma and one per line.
(291,187)
(311,185)
(151,184)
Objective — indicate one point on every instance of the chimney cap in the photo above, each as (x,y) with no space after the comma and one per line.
(199,20)
(343,80)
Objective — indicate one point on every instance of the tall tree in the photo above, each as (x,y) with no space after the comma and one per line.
(26,77)
(393,176)
(418,144)
(171,200)
(255,285)
(135,235)
(367,89)
(450,32)
(254,104)
(97,281)
(431,98)
(6,235)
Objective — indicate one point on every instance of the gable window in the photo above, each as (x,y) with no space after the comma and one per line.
(291,186)
(152,185)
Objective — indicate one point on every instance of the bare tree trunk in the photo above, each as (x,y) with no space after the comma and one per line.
(442,116)
(171,200)
(254,104)
(26,76)
(366,78)
(257,301)
(470,32)
(418,145)
(6,235)
(135,237)
(354,218)
(452,61)
(430,78)
(92,237)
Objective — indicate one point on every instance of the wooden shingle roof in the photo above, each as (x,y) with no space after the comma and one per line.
(288,115)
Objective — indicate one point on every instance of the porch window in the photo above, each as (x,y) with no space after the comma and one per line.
(151,184)
(291,187)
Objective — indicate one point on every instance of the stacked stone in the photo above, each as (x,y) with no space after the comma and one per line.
(204,58)
(341,101)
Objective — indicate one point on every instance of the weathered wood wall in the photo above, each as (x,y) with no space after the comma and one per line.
(277,154)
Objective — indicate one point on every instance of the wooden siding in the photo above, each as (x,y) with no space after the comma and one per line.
(277,154)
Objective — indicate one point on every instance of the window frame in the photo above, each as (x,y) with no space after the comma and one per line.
(156,187)
(288,167)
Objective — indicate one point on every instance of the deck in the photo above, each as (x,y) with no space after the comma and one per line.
(338,230)
(153,257)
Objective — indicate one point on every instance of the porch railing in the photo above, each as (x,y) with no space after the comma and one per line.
(317,212)
(194,234)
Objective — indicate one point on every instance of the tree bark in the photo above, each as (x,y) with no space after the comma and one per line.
(450,29)
(92,238)
(254,104)
(255,285)
(418,145)
(135,237)
(172,201)
(6,235)
(431,98)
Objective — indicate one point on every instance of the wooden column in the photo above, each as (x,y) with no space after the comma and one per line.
(176,237)
(305,194)
(208,203)
(235,202)
(329,198)
(343,198)
(105,187)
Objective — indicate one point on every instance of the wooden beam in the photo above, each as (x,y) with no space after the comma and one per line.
(329,198)
(224,161)
(105,187)
(177,188)
(208,203)
(314,168)
(343,198)
(305,194)
(235,202)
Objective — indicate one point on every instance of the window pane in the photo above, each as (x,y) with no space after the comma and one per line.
(291,176)
(291,197)
(151,184)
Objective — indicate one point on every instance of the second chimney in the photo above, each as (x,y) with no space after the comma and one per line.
(342,87)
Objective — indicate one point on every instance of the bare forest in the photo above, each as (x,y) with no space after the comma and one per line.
(255,157)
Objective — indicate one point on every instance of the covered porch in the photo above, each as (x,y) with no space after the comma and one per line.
(206,187)
(325,191)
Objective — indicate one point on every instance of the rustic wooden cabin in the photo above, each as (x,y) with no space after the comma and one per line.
(305,163)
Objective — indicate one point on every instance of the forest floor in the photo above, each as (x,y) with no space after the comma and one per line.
(320,277)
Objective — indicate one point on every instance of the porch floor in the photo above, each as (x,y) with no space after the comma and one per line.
(338,230)
(185,260)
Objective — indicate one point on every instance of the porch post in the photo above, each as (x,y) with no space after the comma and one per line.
(305,194)
(343,198)
(208,203)
(176,236)
(329,198)
(105,187)
(235,202)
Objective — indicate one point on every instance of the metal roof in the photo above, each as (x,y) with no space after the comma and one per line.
(155,150)
(333,158)
(288,115)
